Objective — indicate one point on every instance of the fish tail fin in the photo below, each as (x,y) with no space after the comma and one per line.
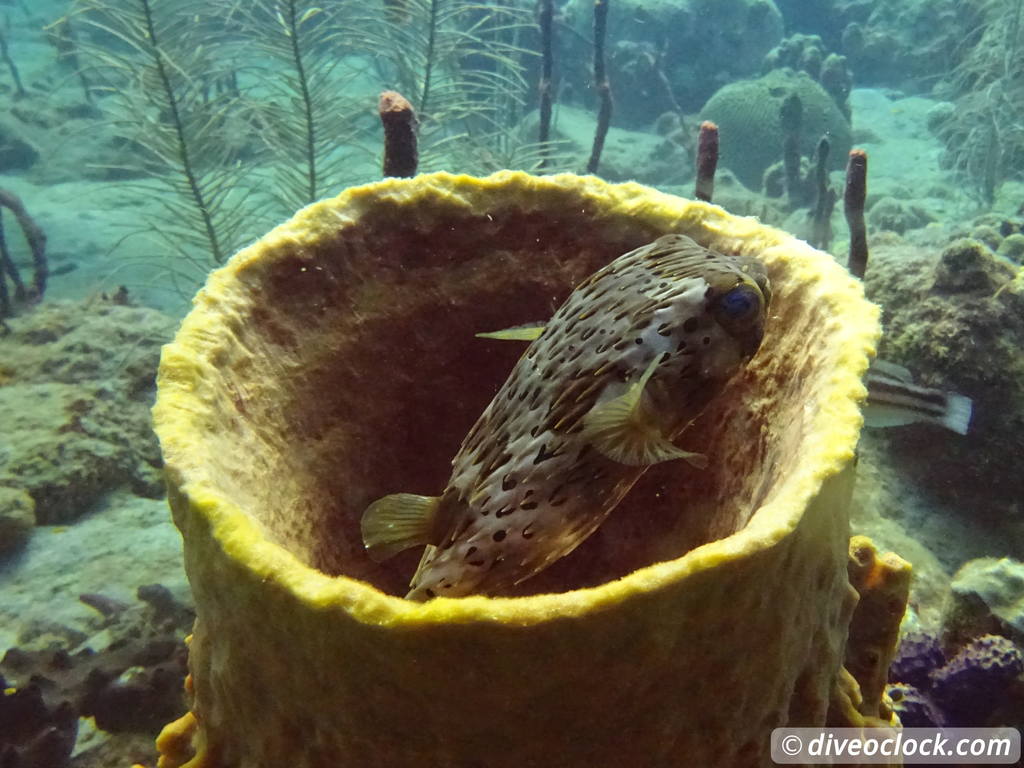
(397,522)
(958,413)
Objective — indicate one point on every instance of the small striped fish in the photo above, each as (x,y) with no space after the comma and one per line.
(894,400)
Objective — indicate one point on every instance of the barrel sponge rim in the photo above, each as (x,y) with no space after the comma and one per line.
(834,428)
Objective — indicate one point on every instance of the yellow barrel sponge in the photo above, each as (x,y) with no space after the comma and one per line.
(334,361)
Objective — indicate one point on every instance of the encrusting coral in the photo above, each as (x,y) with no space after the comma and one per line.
(334,361)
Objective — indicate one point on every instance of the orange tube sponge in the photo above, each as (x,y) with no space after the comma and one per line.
(883,583)
(334,361)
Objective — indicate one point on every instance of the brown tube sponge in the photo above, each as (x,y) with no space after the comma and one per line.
(334,361)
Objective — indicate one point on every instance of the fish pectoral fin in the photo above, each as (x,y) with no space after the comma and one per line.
(622,430)
(518,333)
(397,522)
(616,436)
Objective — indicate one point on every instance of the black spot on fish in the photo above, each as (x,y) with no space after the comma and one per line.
(508,483)
(499,535)
(527,533)
(544,454)
(528,505)
(504,512)
(638,340)
(681,347)
(690,325)
(706,340)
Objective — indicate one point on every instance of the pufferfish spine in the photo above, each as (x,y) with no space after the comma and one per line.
(629,360)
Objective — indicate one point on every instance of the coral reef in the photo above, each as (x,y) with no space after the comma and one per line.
(914,709)
(988,596)
(970,686)
(979,686)
(901,43)
(654,612)
(128,677)
(76,413)
(917,655)
(956,318)
(33,732)
(892,215)
(627,155)
(652,71)
(807,53)
(749,119)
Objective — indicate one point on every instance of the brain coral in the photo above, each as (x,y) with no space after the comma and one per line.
(335,361)
(747,114)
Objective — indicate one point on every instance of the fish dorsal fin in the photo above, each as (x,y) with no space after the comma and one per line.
(397,522)
(529,332)
(892,370)
(623,430)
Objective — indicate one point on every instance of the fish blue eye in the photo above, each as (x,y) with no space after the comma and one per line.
(739,303)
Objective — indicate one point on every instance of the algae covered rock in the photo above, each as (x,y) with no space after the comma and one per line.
(955,317)
(334,361)
(894,215)
(74,414)
(17,518)
(990,588)
(750,124)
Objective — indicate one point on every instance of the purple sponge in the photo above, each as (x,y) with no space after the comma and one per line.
(914,708)
(969,687)
(918,655)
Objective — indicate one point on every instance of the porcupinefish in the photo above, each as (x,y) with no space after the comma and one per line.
(628,361)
